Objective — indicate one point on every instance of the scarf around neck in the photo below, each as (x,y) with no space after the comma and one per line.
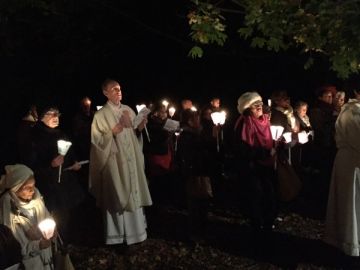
(12,210)
(256,131)
(306,120)
(289,113)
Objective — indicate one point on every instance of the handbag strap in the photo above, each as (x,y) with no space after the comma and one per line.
(60,240)
(59,243)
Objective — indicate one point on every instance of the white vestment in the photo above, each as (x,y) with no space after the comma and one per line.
(129,227)
(343,211)
(117,176)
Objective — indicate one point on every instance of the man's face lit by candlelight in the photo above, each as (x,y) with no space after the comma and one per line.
(326,97)
(215,102)
(113,92)
(86,105)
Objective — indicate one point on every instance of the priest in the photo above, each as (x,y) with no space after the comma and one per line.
(117,176)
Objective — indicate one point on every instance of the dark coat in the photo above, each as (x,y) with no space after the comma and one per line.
(256,181)
(159,138)
(302,124)
(23,139)
(82,134)
(323,123)
(279,119)
(66,194)
(193,154)
(10,248)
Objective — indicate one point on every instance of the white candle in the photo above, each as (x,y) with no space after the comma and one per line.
(303,137)
(287,136)
(165,103)
(47,228)
(63,148)
(276,132)
(140,107)
(172,111)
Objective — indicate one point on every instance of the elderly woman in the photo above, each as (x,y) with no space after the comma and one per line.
(62,196)
(301,108)
(21,209)
(253,148)
(303,154)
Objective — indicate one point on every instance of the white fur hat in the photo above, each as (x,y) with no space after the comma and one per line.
(246,99)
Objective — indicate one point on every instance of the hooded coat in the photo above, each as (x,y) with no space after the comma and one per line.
(23,217)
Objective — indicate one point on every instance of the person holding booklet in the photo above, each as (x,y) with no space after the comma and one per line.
(159,152)
(117,172)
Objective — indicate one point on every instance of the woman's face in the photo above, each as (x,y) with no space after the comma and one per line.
(27,190)
(301,111)
(256,109)
(51,119)
(340,101)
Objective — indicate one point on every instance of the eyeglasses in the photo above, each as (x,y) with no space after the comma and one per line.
(257,104)
(53,114)
(28,188)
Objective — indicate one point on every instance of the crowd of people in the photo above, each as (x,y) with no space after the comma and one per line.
(133,158)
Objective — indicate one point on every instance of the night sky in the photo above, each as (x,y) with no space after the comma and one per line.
(60,58)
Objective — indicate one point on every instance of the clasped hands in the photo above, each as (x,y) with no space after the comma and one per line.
(125,122)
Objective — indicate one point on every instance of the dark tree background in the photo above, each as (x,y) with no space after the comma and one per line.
(62,51)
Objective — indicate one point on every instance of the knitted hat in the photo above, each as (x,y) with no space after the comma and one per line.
(43,109)
(15,177)
(246,100)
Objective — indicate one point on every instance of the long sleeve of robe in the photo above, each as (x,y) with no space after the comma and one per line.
(117,177)
(343,212)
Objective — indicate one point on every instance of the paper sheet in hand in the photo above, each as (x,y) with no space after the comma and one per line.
(80,162)
(83,162)
(171,125)
(141,116)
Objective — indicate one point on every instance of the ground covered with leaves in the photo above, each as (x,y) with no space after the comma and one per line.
(228,242)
